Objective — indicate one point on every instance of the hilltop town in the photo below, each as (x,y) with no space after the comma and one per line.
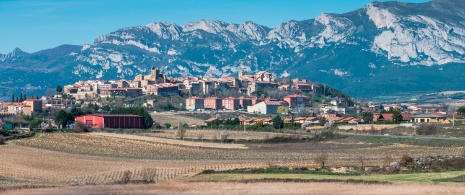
(260,95)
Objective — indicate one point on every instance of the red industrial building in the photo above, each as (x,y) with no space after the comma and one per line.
(112,121)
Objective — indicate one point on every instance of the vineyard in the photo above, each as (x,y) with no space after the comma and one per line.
(62,159)
(215,134)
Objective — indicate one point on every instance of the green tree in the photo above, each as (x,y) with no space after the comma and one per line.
(396,115)
(167,125)
(61,118)
(59,89)
(236,122)
(461,111)
(283,110)
(13,97)
(322,121)
(75,112)
(278,122)
(367,116)
(21,97)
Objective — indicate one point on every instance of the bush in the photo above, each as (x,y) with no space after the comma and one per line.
(407,161)
(157,125)
(224,135)
(2,140)
(208,171)
(394,167)
(181,133)
(427,129)
(80,127)
(321,159)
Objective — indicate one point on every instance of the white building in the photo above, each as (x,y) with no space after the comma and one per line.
(265,107)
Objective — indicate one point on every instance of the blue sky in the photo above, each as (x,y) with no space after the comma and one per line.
(33,25)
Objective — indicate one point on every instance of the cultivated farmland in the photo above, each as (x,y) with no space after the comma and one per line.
(64,159)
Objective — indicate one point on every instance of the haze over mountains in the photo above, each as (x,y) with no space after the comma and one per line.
(382,48)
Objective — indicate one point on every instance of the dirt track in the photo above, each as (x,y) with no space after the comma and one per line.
(174,187)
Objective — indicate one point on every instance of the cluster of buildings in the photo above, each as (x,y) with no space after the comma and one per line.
(251,104)
(159,84)
(26,107)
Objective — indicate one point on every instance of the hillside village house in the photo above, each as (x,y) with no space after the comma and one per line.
(266,107)
(230,103)
(213,103)
(297,101)
(429,118)
(121,92)
(27,107)
(165,89)
(194,103)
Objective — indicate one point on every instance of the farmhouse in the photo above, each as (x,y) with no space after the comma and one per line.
(112,121)
(428,118)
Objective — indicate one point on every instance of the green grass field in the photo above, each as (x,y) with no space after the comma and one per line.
(401,178)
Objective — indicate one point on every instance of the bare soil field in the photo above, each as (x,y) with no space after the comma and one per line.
(216,134)
(34,166)
(172,141)
(69,159)
(94,145)
(175,118)
(206,188)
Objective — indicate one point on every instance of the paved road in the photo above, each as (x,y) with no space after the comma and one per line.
(407,137)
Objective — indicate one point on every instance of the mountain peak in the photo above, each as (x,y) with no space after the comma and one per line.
(164,29)
(210,26)
(16,52)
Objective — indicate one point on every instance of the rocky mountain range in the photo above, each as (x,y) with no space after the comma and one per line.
(383,48)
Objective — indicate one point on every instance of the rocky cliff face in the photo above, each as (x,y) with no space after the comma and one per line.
(383,48)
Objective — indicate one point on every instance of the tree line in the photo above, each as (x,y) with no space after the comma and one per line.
(22,97)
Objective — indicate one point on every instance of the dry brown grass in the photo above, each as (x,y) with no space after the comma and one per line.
(174,118)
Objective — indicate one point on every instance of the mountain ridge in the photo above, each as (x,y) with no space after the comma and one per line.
(390,38)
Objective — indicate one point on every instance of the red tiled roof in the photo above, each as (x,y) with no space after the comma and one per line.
(113,89)
(287,119)
(386,116)
(116,115)
(406,116)
(273,103)
(267,120)
(210,120)
(295,95)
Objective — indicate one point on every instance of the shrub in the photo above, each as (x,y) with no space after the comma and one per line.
(157,125)
(181,133)
(394,167)
(2,140)
(80,127)
(427,129)
(322,159)
(407,161)
(208,171)
(224,135)
(200,136)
